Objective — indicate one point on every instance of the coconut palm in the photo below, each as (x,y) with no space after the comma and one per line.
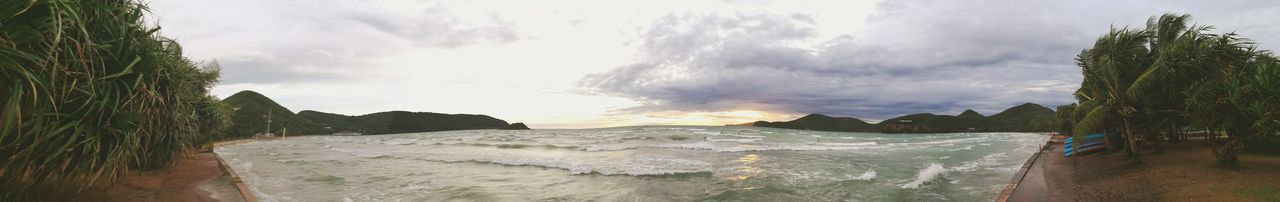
(1140,78)
(1111,68)
(1063,118)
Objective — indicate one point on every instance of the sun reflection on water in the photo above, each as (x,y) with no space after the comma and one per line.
(749,168)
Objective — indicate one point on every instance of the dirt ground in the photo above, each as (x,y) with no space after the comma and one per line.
(179,184)
(1057,169)
(1185,172)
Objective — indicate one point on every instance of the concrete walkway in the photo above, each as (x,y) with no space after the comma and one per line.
(1048,178)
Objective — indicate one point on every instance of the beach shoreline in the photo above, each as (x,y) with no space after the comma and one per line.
(187,180)
(1184,172)
(1045,176)
(200,177)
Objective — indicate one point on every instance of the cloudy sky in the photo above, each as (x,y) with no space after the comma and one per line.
(585,63)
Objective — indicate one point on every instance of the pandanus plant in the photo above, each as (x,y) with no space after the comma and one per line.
(90,94)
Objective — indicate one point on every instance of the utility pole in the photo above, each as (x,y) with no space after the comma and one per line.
(268,120)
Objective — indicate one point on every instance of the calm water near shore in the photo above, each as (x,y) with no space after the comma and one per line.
(656,163)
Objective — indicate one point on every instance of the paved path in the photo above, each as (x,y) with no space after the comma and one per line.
(1051,166)
(1033,187)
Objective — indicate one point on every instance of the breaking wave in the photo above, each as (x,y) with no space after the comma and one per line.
(867,176)
(646,166)
(925,175)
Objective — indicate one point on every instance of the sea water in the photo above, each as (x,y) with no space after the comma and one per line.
(653,163)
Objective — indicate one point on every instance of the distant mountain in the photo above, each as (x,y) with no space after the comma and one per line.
(516,126)
(1025,117)
(401,122)
(332,122)
(822,123)
(411,122)
(931,123)
(970,114)
(743,124)
(1022,118)
(251,110)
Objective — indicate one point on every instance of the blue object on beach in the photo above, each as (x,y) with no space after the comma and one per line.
(1090,143)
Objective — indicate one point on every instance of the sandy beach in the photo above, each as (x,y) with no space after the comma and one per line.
(1185,172)
(187,181)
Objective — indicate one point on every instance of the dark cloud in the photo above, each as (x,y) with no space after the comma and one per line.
(292,67)
(292,41)
(913,56)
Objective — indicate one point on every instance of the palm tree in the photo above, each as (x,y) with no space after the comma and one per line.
(1111,68)
(1156,79)
(1063,118)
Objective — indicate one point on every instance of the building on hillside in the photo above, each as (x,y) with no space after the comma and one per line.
(347,133)
(264,135)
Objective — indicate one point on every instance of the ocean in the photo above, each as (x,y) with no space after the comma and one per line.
(651,163)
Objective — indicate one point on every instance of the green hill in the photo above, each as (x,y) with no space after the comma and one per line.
(249,116)
(331,122)
(402,122)
(970,114)
(931,123)
(1025,117)
(822,123)
(1022,118)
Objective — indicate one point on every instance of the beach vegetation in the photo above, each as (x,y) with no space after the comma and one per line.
(1156,84)
(91,93)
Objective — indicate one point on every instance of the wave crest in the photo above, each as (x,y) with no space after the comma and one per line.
(927,174)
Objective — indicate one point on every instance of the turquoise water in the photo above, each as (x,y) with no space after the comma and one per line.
(656,163)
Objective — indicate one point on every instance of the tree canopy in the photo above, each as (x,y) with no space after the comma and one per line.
(1151,85)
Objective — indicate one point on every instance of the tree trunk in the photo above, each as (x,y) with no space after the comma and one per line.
(1227,157)
(1159,138)
(1132,139)
(1111,146)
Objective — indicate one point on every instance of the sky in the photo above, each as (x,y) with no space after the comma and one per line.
(587,63)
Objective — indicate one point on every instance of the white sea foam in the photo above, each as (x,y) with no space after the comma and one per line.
(556,164)
(849,143)
(733,140)
(640,166)
(967,148)
(867,176)
(927,174)
(718,146)
(985,161)
(359,154)
(945,142)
